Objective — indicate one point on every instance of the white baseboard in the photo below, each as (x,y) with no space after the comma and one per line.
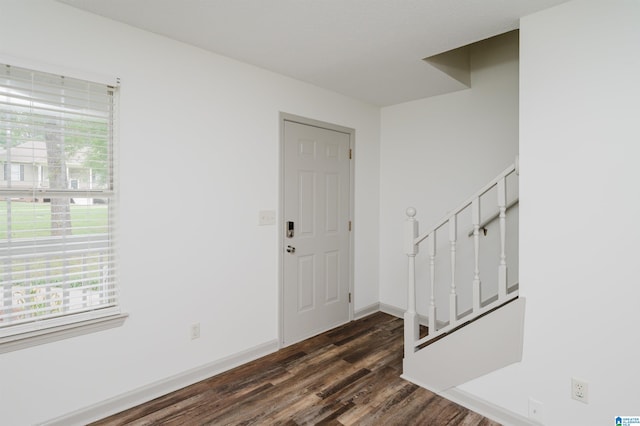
(388,309)
(487,409)
(399,313)
(391,310)
(479,405)
(154,390)
(367,310)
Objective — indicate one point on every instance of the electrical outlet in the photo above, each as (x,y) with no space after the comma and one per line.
(195,331)
(535,410)
(579,390)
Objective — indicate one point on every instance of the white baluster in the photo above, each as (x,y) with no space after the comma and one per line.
(502,268)
(475,219)
(411,325)
(432,272)
(453,297)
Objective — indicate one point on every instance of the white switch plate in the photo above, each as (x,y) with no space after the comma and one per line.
(194,331)
(266,217)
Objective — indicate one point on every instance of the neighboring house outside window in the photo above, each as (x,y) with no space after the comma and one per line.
(57,203)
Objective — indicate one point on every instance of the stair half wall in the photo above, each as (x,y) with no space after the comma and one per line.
(489,343)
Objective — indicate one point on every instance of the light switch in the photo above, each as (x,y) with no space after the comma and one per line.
(267,217)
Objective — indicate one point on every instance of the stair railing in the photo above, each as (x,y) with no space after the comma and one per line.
(412,243)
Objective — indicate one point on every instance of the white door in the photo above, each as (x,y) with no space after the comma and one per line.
(316,242)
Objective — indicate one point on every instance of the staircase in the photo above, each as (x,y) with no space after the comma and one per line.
(461,345)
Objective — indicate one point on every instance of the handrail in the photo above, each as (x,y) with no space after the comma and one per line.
(506,172)
(493,217)
(412,242)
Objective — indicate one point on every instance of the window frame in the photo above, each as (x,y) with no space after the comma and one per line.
(54,329)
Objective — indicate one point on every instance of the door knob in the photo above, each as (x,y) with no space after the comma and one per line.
(291,249)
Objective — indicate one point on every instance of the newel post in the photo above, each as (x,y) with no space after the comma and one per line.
(411,325)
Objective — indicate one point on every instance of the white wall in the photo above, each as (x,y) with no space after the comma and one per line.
(579,141)
(199,139)
(436,152)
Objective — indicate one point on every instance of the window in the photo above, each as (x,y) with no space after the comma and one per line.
(57,202)
(14,172)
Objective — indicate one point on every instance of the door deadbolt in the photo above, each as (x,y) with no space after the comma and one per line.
(291,249)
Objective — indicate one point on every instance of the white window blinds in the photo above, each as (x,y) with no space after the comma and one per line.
(57,200)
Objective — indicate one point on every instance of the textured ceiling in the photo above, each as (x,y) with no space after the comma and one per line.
(366,49)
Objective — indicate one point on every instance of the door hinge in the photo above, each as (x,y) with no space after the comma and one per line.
(349,226)
(349,297)
(350,153)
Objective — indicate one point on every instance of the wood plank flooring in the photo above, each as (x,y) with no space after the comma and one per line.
(346,376)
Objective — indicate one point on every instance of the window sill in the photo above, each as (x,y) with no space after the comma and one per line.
(53,334)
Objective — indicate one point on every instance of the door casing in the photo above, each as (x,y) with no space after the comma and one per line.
(281,219)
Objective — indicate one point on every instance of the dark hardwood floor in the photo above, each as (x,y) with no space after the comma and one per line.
(349,375)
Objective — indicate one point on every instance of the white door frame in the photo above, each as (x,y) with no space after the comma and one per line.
(281,228)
